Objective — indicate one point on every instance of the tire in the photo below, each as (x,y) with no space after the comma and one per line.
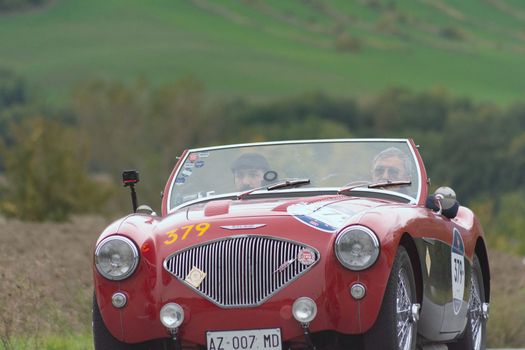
(475,335)
(395,328)
(102,338)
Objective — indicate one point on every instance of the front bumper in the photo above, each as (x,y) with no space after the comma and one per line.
(327,283)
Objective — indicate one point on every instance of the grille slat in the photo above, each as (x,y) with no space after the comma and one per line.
(241,271)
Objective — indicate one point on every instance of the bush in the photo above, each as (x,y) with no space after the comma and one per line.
(45,169)
(13,90)
(137,126)
(345,42)
(452,33)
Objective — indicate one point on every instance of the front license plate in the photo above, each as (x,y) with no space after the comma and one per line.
(253,339)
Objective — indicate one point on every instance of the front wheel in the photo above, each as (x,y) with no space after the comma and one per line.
(103,340)
(396,327)
(474,336)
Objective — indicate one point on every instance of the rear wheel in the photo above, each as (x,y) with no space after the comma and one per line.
(395,327)
(474,336)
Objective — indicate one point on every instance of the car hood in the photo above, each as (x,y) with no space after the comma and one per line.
(326,213)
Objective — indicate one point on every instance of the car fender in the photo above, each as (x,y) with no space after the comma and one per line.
(389,227)
(140,285)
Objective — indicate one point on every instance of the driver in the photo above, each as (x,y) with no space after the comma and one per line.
(248,171)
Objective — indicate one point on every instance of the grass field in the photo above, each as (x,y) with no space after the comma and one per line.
(80,341)
(264,49)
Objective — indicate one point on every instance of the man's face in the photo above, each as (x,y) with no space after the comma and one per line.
(246,179)
(389,169)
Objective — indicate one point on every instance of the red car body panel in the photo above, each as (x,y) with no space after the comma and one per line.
(152,286)
(327,283)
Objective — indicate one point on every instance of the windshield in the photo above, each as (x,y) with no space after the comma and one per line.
(208,172)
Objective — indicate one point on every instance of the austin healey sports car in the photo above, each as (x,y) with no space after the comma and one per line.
(325,244)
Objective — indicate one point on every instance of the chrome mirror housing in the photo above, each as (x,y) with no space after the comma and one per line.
(145,209)
(446,197)
(444,202)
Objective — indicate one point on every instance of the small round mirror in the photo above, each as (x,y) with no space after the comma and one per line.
(446,196)
(270,175)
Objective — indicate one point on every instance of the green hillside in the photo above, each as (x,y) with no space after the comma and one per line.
(264,49)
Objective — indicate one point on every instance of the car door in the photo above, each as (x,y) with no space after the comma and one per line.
(455,315)
(443,268)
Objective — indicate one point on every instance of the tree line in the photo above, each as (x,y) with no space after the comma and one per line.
(59,162)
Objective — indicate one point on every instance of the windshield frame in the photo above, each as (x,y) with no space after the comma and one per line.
(422,189)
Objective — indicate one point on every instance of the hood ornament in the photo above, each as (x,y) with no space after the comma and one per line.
(242,227)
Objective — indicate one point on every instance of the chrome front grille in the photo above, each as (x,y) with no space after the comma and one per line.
(243,271)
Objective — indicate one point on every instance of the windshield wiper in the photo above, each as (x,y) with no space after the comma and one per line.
(278,185)
(382,184)
(390,184)
(288,183)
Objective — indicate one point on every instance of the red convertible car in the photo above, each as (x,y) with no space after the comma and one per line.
(325,244)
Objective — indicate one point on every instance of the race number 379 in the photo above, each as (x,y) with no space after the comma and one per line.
(459,270)
(457,263)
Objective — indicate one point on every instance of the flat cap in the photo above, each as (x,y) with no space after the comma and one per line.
(250,161)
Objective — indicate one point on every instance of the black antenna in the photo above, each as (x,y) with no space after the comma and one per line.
(130,178)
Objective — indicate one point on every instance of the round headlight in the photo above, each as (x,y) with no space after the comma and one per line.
(116,258)
(171,315)
(304,310)
(357,248)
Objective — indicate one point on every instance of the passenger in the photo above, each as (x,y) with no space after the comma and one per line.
(391,164)
(248,171)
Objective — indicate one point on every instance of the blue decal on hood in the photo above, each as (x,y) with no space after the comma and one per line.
(315,223)
(319,215)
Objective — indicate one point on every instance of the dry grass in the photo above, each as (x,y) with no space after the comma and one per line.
(45,270)
(46,288)
(507,310)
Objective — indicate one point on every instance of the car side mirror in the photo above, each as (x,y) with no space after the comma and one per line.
(444,202)
(145,209)
(130,178)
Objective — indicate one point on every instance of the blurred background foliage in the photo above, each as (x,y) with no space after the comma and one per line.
(88,89)
(60,162)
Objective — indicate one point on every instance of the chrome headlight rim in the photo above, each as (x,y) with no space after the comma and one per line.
(133,266)
(375,242)
(171,315)
(302,303)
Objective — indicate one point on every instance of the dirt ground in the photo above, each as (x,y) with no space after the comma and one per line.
(46,278)
(46,281)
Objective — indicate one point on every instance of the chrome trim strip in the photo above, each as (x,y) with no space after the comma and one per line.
(418,171)
(255,144)
(242,227)
(133,248)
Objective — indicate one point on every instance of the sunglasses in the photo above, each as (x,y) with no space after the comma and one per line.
(392,172)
